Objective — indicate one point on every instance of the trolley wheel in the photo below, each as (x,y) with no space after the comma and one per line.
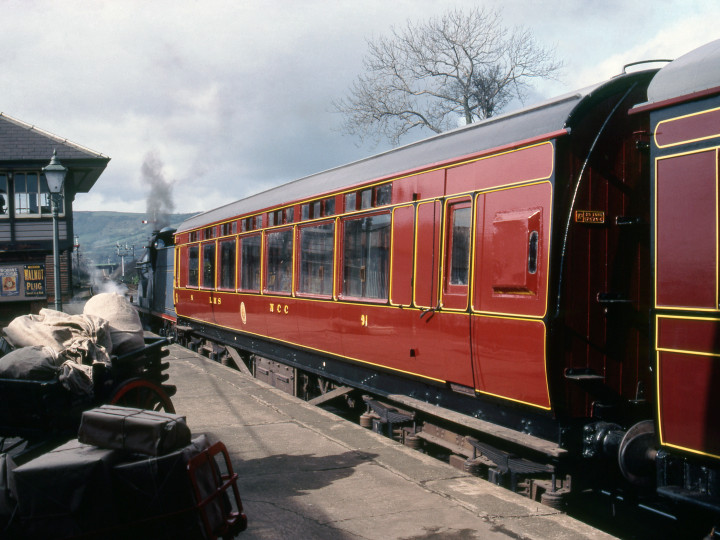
(142,394)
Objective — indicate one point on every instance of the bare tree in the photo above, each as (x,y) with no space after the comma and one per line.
(435,75)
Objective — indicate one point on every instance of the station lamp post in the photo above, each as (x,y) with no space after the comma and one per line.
(55,176)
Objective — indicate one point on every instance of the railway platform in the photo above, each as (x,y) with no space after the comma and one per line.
(306,473)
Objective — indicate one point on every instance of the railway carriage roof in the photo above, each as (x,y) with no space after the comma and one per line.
(500,131)
(696,71)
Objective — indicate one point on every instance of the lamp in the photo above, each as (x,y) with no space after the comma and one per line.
(55,177)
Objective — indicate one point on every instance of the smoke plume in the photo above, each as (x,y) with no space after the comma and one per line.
(159,204)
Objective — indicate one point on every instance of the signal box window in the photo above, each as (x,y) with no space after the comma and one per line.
(32,196)
(193,266)
(460,246)
(208,258)
(250,263)
(366,255)
(279,261)
(4,201)
(316,259)
(227,264)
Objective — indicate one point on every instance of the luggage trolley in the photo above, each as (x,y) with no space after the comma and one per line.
(224,478)
(35,412)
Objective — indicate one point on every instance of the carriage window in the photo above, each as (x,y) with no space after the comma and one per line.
(227,264)
(305,211)
(366,199)
(228,228)
(250,263)
(350,202)
(316,259)
(32,196)
(383,195)
(208,258)
(276,218)
(252,223)
(193,266)
(329,207)
(366,256)
(460,245)
(279,261)
(289,215)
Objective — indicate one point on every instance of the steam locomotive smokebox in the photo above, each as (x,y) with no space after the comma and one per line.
(65,492)
(135,430)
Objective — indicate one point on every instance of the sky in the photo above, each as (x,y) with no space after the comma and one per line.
(222,99)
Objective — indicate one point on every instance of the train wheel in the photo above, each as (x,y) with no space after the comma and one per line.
(142,394)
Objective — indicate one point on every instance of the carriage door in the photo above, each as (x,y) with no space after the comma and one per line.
(509,294)
(401,262)
(427,249)
(456,259)
(686,298)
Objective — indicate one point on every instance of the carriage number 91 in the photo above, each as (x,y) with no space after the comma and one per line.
(363,320)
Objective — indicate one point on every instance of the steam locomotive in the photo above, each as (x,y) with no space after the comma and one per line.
(546,280)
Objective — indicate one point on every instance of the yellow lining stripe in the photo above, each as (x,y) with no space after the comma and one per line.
(686,141)
(442,259)
(660,416)
(547,385)
(527,319)
(717,234)
(392,252)
(387,181)
(314,349)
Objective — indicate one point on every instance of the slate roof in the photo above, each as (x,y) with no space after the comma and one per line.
(24,145)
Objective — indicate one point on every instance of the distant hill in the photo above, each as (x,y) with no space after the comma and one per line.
(100,232)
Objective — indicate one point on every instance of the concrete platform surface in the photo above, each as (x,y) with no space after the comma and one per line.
(305,473)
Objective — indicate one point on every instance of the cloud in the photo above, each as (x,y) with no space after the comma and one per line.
(677,37)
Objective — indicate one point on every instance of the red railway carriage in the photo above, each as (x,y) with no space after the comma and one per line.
(684,106)
(542,271)
(441,261)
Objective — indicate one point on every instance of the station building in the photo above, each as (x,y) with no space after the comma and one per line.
(26,229)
